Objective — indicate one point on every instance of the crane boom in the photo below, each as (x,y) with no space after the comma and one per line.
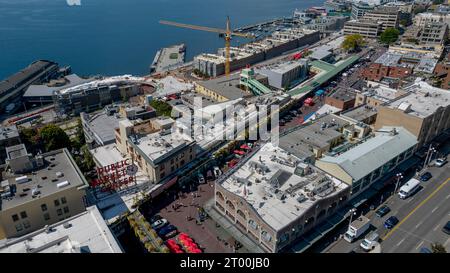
(209,29)
(227,33)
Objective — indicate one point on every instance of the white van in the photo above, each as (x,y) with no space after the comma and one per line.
(370,241)
(409,188)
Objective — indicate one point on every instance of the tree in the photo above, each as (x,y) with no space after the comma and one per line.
(162,108)
(438,2)
(389,36)
(30,137)
(353,42)
(404,22)
(419,9)
(53,137)
(438,248)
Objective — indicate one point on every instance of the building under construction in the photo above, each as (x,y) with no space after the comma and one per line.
(278,43)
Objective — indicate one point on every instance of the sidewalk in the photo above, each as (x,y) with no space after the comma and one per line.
(231,229)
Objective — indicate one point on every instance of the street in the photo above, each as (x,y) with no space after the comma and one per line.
(421,217)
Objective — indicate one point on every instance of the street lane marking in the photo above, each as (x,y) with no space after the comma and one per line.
(416,208)
(399,243)
(419,245)
(448,196)
(434,229)
(419,224)
(434,209)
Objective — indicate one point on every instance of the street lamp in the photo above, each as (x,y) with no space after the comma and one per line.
(430,151)
(399,177)
(352,212)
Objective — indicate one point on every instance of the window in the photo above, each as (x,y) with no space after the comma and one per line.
(46,216)
(66,209)
(63,200)
(19,227)
(44,207)
(15,217)
(26,224)
(23,214)
(56,202)
(59,212)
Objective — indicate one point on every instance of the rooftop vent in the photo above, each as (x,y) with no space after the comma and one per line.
(63,184)
(67,225)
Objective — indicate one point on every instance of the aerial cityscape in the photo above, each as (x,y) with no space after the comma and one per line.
(307,127)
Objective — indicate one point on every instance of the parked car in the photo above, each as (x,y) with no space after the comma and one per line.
(391,222)
(201,179)
(166,230)
(446,228)
(370,241)
(382,211)
(155,218)
(425,250)
(440,162)
(159,224)
(426,176)
(217,171)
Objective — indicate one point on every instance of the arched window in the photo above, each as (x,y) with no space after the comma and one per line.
(230,205)
(220,195)
(266,236)
(241,213)
(252,224)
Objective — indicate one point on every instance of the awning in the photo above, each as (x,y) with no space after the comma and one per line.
(363,197)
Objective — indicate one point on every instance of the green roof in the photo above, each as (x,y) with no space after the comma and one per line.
(330,72)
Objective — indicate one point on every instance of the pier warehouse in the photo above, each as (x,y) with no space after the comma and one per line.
(278,43)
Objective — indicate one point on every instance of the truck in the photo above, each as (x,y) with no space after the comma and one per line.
(357,228)
(409,188)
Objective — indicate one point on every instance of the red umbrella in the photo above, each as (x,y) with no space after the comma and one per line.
(244,146)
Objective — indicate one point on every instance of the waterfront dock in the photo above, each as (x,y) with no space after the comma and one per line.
(168,58)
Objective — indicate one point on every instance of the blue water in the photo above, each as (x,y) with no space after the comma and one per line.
(112,37)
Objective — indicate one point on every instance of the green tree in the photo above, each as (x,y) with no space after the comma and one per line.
(53,137)
(438,2)
(79,139)
(30,137)
(353,42)
(389,36)
(162,108)
(404,22)
(438,248)
(89,163)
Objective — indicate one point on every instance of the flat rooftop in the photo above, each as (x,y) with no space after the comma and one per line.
(227,88)
(16,151)
(360,113)
(86,232)
(389,59)
(45,90)
(157,147)
(15,80)
(45,179)
(318,134)
(7,132)
(170,56)
(271,182)
(422,99)
(382,93)
(343,94)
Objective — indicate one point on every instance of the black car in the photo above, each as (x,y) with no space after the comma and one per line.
(426,176)
(166,230)
(155,218)
(446,228)
(382,211)
(391,222)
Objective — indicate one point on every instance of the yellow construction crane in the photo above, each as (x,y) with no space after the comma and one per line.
(227,33)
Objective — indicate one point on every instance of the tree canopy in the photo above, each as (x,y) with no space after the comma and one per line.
(438,248)
(162,108)
(53,137)
(389,36)
(353,42)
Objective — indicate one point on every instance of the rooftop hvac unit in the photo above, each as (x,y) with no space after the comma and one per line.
(22,179)
(63,184)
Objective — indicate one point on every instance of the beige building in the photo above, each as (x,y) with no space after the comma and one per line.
(39,191)
(366,28)
(153,147)
(376,95)
(388,17)
(368,161)
(274,198)
(424,111)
